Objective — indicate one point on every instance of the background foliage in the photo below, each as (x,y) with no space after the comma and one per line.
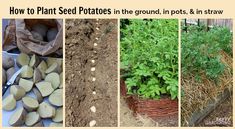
(201,50)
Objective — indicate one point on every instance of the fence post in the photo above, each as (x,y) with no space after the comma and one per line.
(185,24)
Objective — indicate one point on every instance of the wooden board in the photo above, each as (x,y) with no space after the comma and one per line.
(198,116)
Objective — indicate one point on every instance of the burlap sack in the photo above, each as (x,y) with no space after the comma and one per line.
(27,44)
(9,37)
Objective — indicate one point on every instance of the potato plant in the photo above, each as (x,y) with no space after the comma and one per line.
(201,51)
(149,57)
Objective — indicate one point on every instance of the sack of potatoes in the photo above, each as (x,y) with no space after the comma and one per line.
(39,36)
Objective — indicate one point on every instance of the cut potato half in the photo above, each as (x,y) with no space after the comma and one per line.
(38,95)
(26,84)
(27,72)
(51,60)
(34,61)
(53,68)
(18,117)
(42,67)
(10,73)
(9,103)
(56,98)
(54,79)
(37,76)
(58,115)
(22,59)
(32,118)
(17,91)
(45,88)
(45,110)
(29,103)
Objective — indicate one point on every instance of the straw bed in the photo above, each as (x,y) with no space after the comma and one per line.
(197,95)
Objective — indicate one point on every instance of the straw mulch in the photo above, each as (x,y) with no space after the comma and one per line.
(198,94)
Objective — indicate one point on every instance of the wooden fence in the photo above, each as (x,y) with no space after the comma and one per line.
(211,22)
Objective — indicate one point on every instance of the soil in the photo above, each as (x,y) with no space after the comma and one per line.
(221,116)
(80,37)
(127,119)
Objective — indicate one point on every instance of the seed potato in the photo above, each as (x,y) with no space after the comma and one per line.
(9,103)
(7,62)
(22,59)
(18,117)
(37,76)
(10,73)
(42,67)
(29,103)
(34,61)
(58,115)
(51,34)
(45,88)
(17,91)
(41,29)
(38,95)
(54,68)
(27,72)
(37,36)
(32,118)
(54,79)
(45,110)
(56,98)
(26,84)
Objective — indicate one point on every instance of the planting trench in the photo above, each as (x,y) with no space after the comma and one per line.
(91,72)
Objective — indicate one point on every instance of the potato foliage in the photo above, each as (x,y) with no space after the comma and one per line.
(200,51)
(149,57)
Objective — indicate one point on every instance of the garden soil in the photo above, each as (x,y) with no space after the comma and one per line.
(82,92)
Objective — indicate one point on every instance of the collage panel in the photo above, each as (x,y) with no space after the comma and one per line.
(91,73)
(151,69)
(149,72)
(32,72)
(207,72)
